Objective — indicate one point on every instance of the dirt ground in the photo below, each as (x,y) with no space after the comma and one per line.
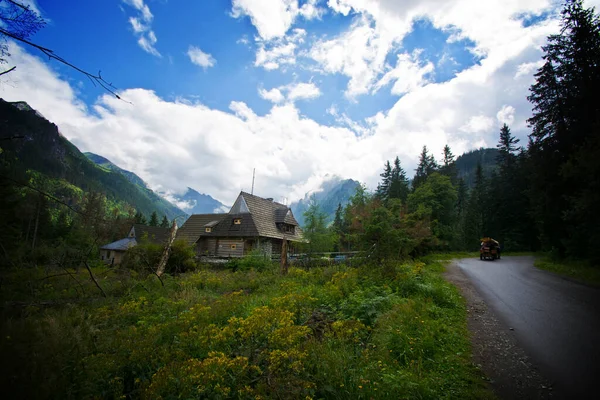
(495,349)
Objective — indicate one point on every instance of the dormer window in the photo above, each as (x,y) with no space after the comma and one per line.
(286,228)
(237,221)
(208,230)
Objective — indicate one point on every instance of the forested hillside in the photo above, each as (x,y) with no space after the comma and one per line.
(40,147)
(542,196)
(466,164)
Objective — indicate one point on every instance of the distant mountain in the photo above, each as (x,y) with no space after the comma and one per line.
(331,193)
(466,164)
(40,147)
(193,202)
(107,164)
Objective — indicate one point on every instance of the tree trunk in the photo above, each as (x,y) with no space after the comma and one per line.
(284,259)
(165,256)
(37,220)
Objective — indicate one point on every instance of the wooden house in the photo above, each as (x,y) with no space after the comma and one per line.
(114,252)
(253,223)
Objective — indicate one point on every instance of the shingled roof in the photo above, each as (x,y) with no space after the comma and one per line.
(259,217)
(196,225)
(155,234)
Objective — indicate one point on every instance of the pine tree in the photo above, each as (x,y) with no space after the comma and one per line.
(139,218)
(153,219)
(165,222)
(507,147)
(448,167)
(565,145)
(427,165)
(383,188)
(398,186)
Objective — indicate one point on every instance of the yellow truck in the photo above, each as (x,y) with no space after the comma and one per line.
(489,250)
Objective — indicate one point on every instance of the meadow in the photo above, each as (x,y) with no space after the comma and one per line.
(395,330)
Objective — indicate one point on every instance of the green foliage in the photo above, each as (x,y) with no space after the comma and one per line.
(332,332)
(426,167)
(320,238)
(435,200)
(580,270)
(565,139)
(165,222)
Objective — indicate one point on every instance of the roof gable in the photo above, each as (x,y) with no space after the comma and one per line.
(265,215)
(196,225)
(240,206)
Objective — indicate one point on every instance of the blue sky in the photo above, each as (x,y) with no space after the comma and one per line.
(299,89)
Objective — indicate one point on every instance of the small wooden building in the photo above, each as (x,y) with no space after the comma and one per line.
(114,252)
(253,223)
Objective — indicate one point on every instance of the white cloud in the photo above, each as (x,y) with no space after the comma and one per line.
(142,27)
(175,144)
(279,52)
(478,124)
(408,74)
(527,69)
(274,95)
(294,91)
(303,91)
(381,25)
(200,58)
(506,115)
(272,19)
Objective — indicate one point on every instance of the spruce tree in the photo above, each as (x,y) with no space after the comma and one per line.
(448,166)
(165,222)
(153,219)
(565,145)
(427,165)
(383,187)
(398,187)
(140,218)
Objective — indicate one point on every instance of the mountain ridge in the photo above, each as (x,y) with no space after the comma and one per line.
(40,147)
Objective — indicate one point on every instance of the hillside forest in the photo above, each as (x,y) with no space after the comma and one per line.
(386,325)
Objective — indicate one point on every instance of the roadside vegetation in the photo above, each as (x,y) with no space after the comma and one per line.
(580,270)
(395,330)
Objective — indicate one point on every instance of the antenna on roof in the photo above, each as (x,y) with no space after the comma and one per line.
(253,171)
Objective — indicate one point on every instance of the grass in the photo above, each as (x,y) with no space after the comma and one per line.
(579,270)
(338,332)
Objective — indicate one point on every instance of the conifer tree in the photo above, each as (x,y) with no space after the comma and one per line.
(165,222)
(398,186)
(427,165)
(383,187)
(153,219)
(140,218)
(565,146)
(448,166)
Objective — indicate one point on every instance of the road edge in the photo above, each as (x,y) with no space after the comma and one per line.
(494,347)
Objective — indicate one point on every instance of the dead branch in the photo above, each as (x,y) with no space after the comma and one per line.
(95,79)
(8,70)
(92,277)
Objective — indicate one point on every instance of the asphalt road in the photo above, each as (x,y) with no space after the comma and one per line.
(556,321)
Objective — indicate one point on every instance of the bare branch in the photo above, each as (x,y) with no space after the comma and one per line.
(93,278)
(51,55)
(8,70)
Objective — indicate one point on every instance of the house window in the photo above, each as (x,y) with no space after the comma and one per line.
(233,246)
(237,221)
(208,230)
